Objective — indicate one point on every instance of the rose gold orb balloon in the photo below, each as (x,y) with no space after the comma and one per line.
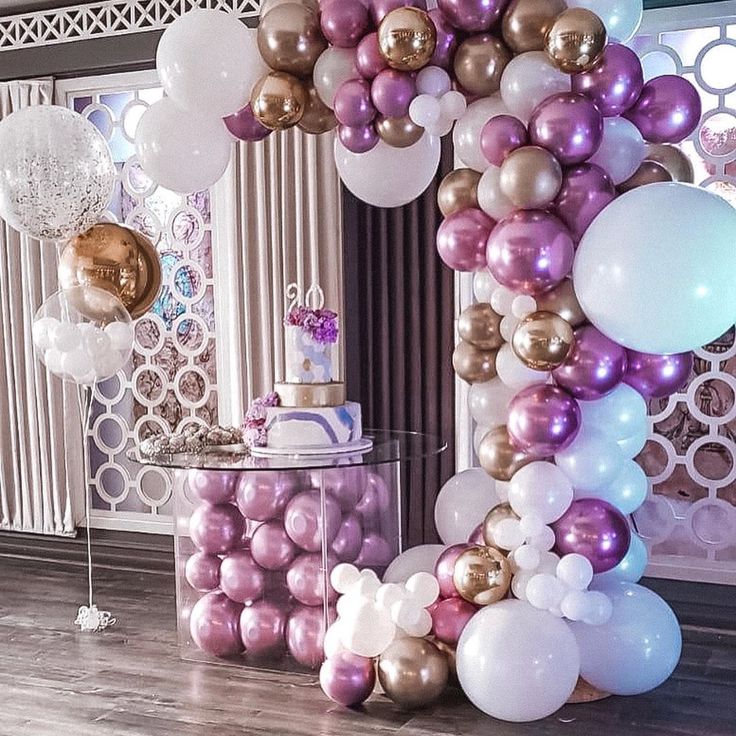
(576,40)
(474,365)
(562,301)
(542,340)
(496,515)
(479,63)
(480,326)
(498,457)
(677,163)
(407,38)
(458,191)
(649,172)
(526,23)
(482,575)
(530,177)
(317,117)
(279,100)
(398,132)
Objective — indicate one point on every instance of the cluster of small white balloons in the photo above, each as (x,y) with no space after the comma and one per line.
(371,614)
(437,106)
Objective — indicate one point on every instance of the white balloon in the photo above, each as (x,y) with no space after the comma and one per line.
(484,285)
(65,337)
(540,488)
(545,591)
(520,581)
(517,663)
(343,576)
(545,540)
(52,359)
(508,534)
(490,197)
(208,62)
(632,446)
(622,149)
(665,284)
(502,490)
(108,364)
(628,490)
(370,632)
(531,524)
(453,105)
(514,373)
(422,588)
(424,110)
(507,327)
(349,604)
(478,434)
(591,461)
(600,608)
(526,557)
(182,151)
(621,18)
(466,136)
(619,414)
(388,594)
(576,605)
(388,176)
(433,80)
(522,305)
(463,503)
(631,569)
(575,571)
(332,642)
(441,128)
(76,364)
(528,79)
(417,559)
(334,67)
(97,342)
(42,332)
(502,300)
(412,619)
(121,335)
(488,402)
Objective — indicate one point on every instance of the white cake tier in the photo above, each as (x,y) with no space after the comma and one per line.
(306,360)
(294,428)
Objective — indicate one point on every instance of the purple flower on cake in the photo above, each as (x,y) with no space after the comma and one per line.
(254,429)
(321,324)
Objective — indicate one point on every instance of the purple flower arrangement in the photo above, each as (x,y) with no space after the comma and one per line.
(254,423)
(321,324)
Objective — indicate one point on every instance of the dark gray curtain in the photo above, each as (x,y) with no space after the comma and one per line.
(399,336)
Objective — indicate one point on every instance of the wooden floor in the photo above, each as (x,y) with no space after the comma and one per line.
(129,680)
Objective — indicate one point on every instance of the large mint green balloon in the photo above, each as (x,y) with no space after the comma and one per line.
(656,270)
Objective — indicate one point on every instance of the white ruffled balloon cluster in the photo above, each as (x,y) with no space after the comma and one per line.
(437,106)
(371,614)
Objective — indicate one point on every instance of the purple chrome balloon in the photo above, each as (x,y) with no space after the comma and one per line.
(346,485)
(444,569)
(462,239)
(447,41)
(214,624)
(263,628)
(344,22)
(476,536)
(374,552)
(368,59)
(530,251)
(381,8)
(543,420)
(593,528)
(349,540)
(667,110)
(305,635)
(347,678)
(202,572)
(271,547)
(241,578)
(263,496)
(449,618)
(216,529)
(245,126)
(594,366)
(472,15)
(307,579)
(358,140)
(353,105)
(213,486)
(657,376)
(614,83)
(304,521)
(500,136)
(375,501)
(392,91)
(586,190)
(569,125)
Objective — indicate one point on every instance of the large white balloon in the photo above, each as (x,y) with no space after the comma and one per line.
(540,488)
(56,172)
(517,663)
(627,491)
(181,151)
(631,569)
(514,373)
(620,414)
(622,18)
(489,402)
(664,284)
(466,135)
(622,149)
(463,503)
(334,66)
(208,62)
(591,461)
(637,649)
(490,197)
(388,176)
(528,79)
(417,559)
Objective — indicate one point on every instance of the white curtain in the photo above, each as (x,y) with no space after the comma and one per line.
(36,481)
(278,220)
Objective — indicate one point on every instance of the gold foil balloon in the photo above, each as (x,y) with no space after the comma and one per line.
(116,259)
(413,672)
(526,23)
(398,132)
(279,100)
(677,164)
(290,39)
(481,327)
(474,365)
(450,653)
(479,63)
(562,301)
(458,191)
(576,40)
(542,340)
(530,177)
(649,172)
(317,117)
(496,515)
(498,457)
(482,575)
(407,38)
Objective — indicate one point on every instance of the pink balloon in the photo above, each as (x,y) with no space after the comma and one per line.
(349,540)
(462,239)
(263,496)
(213,486)
(353,105)
(476,536)
(375,552)
(262,628)
(375,501)
(447,41)
(346,485)
(245,126)
(449,618)
(381,8)
(347,678)
(344,22)
(586,190)
(241,578)
(305,524)
(500,136)
(271,547)
(368,59)
(392,91)
(657,376)
(305,635)
(445,568)
(202,572)
(216,529)
(214,624)
(307,579)
(361,139)
(472,15)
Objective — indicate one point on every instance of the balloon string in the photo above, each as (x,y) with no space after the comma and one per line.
(84,396)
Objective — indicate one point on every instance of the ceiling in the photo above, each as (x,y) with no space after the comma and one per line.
(13,7)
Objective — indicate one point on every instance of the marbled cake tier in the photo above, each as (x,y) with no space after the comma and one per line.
(306,359)
(293,428)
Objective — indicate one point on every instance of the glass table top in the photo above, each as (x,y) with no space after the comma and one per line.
(388,447)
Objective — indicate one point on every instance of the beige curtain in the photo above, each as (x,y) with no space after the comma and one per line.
(278,220)
(35,479)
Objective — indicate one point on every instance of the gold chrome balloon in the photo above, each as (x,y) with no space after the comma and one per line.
(458,191)
(649,172)
(498,457)
(317,117)
(116,259)
(526,23)
(407,38)
(290,39)
(584,692)
(497,514)
(481,326)
(482,575)
(479,63)
(530,177)
(279,100)
(542,340)
(576,40)
(673,159)
(398,132)
(413,672)
(562,301)
(474,365)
